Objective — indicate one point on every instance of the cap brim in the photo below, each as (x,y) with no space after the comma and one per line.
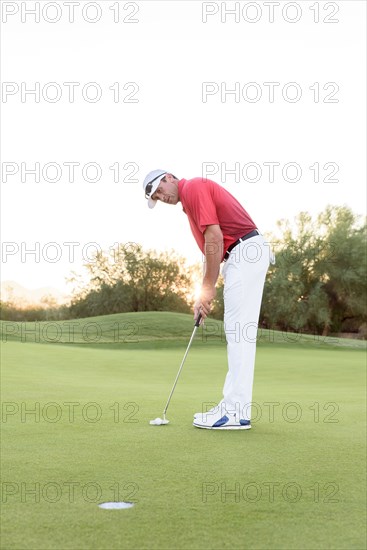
(151,203)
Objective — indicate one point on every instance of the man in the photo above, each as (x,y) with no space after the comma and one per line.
(225,233)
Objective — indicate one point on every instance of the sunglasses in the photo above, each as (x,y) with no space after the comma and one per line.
(149,185)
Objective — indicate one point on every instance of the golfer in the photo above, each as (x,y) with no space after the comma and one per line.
(226,234)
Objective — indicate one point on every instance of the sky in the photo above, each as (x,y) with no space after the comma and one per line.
(123,88)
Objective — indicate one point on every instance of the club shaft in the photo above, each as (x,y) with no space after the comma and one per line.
(179,371)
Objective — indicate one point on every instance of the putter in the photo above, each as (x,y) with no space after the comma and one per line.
(163,421)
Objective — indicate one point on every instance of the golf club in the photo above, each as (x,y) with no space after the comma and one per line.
(163,421)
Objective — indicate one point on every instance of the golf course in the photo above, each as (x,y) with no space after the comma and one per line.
(77,398)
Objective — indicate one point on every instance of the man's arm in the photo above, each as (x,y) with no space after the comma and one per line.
(213,255)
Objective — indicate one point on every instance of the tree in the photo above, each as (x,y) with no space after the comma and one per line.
(130,279)
(342,267)
(318,282)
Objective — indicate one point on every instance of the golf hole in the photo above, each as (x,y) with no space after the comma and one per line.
(116,505)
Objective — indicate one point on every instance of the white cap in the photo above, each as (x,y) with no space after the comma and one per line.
(153,179)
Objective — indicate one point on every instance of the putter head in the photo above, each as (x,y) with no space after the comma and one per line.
(159,422)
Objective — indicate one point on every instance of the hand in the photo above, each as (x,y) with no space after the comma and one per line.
(203,305)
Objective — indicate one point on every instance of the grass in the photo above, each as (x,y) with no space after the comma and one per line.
(296,480)
(148,327)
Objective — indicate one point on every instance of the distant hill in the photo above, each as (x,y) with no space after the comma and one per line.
(13,291)
(155,329)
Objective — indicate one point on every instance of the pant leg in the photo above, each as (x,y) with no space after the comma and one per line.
(244,276)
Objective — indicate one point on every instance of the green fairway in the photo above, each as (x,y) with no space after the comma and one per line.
(75,433)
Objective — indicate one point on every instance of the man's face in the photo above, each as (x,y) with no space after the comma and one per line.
(167,190)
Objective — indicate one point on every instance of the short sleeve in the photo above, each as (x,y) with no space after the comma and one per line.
(200,199)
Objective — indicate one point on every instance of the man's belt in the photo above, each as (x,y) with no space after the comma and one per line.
(248,236)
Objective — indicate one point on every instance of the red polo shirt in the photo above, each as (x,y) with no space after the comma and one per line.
(207,203)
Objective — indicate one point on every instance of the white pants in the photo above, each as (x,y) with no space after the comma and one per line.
(244,276)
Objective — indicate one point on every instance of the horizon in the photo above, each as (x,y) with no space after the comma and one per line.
(56,276)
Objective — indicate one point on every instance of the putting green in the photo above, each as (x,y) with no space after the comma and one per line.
(75,433)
